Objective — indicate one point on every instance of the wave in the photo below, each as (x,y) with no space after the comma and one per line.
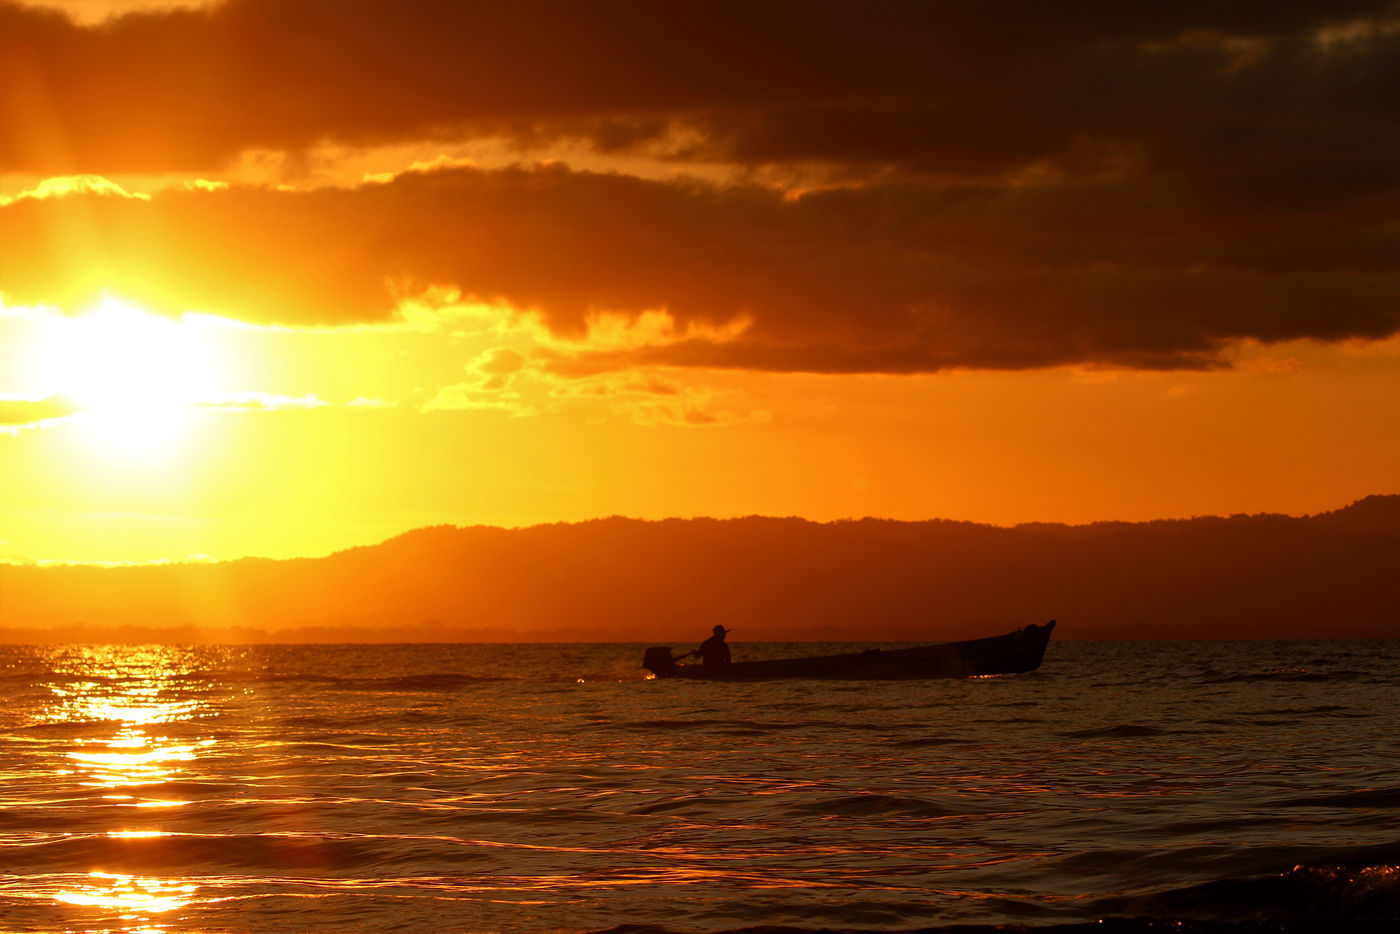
(732,727)
(67,728)
(1362,898)
(1102,926)
(1364,799)
(189,852)
(921,742)
(441,681)
(873,805)
(1121,731)
(1285,675)
(1307,892)
(438,681)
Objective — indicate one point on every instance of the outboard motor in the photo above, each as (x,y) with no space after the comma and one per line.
(659,662)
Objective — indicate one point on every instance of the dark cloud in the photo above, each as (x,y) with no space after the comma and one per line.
(1241,99)
(891,277)
(1012,184)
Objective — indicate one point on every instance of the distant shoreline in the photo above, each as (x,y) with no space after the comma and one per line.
(773,580)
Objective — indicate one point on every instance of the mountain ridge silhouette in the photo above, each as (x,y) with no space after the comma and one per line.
(769,578)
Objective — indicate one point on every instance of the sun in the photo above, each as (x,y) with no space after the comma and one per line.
(132,375)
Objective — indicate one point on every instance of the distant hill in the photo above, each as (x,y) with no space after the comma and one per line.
(668,582)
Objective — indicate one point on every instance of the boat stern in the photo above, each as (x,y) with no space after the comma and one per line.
(658,661)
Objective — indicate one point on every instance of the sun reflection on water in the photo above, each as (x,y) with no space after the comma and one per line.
(129,893)
(131,709)
(126,694)
(143,761)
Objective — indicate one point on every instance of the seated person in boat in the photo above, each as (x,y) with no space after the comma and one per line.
(713,651)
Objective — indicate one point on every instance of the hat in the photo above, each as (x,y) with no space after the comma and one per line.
(721,629)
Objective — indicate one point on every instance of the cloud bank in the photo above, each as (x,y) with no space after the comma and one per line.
(1194,88)
(886,277)
(1004,185)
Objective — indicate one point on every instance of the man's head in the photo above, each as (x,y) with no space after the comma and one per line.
(720,631)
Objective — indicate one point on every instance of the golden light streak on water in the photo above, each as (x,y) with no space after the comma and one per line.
(133,699)
(137,685)
(128,893)
(146,764)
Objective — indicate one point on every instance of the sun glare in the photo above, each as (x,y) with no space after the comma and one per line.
(121,357)
(132,374)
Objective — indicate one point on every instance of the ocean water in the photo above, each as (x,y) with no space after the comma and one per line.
(533,788)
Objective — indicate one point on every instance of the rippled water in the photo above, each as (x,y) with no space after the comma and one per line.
(547,788)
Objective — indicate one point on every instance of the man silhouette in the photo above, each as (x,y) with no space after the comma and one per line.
(713,651)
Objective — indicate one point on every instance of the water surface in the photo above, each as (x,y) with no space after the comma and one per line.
(547,788)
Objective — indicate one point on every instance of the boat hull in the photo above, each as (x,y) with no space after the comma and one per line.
(1013,653)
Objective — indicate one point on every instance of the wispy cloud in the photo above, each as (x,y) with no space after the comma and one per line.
(17,412)
(256,401)
(60,186)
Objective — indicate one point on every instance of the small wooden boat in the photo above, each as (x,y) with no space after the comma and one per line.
(1014,652)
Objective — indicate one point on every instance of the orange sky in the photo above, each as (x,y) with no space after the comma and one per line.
(279,279)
